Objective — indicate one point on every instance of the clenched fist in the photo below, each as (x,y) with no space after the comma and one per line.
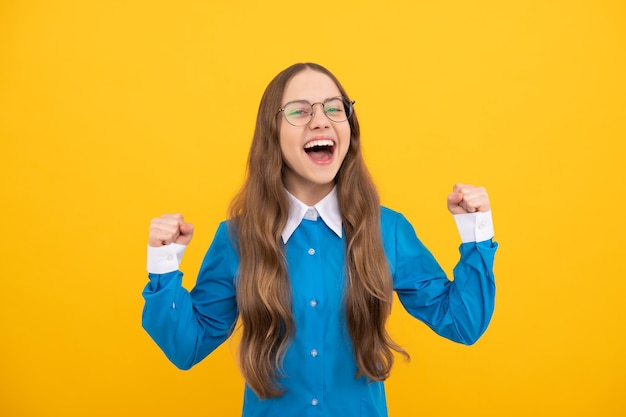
(466,198)
(169,228)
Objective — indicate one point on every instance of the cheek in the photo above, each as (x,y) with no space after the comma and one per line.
(289,142)
(345,139)
(283,138)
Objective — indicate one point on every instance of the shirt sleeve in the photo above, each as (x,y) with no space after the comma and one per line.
(459,310)
(188,326)
(474,227)
(164,259)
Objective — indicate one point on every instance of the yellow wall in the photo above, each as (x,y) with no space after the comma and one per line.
(113,112)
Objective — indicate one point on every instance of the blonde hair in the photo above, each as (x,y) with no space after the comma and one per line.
(263,287)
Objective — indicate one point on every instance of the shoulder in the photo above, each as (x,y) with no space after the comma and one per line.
(222,254)
(224,229)
(393,223)
(390,218)
(225,236)
(387,212)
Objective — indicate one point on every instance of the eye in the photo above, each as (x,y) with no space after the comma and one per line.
(297,110)
(334,106)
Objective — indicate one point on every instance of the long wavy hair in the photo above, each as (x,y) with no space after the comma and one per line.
(258,214)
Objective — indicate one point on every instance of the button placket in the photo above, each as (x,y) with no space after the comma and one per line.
(312,291)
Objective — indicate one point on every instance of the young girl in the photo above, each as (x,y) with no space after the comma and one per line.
(308,263)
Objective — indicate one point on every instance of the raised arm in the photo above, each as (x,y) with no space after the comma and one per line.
(459,310)
(188,326)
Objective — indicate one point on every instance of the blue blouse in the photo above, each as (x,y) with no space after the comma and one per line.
(319,367)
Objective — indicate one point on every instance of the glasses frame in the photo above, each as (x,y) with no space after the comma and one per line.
(346,100)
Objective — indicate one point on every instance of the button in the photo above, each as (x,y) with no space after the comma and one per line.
(311,251)
(313,303)
(481,225)
(314,352)
(314,402)
(170,257)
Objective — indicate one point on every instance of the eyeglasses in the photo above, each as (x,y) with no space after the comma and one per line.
(300,112)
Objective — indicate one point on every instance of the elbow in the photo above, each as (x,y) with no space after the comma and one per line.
(182,365)
(182,362)
(469,340)
(472,322)
(469,335)
(183,359)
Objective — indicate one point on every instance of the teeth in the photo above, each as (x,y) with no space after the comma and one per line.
(321,142)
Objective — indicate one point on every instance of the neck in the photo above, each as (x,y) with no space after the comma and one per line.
(311,194)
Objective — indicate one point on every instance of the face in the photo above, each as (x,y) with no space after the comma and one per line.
(313,153)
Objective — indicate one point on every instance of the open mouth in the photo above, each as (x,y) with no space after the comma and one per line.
(320,150)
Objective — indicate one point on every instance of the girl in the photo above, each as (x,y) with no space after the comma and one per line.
(308,263)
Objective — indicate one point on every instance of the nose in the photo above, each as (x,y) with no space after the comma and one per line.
(319,119)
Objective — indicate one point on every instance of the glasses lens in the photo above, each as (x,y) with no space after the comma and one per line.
(298,113)
(338,109)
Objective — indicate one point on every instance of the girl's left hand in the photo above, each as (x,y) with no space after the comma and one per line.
(466,198)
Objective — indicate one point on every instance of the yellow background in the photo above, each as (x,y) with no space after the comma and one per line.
(113,112)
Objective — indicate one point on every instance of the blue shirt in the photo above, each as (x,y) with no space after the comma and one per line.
(319,367)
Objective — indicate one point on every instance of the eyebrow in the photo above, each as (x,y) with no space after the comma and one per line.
(313,102)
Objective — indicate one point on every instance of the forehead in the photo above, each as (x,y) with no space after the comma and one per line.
(310,85)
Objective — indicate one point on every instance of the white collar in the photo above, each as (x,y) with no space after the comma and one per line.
(327,209)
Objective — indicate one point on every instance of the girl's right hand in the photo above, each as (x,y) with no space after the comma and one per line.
(169,228)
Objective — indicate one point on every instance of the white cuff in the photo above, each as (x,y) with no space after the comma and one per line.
(475,227)
(164,259)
